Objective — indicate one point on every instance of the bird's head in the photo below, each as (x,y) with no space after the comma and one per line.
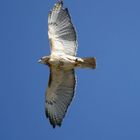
(44,60)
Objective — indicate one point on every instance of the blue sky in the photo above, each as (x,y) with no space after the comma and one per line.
(106,105)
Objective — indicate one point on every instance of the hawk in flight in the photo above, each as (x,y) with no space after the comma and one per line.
(62,61)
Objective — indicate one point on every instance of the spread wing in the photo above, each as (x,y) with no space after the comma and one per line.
(61,32)
(59,94)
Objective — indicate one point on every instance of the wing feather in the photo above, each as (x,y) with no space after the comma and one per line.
(59,94)
(61,32)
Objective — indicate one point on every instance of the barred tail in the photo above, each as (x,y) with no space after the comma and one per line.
(88,62)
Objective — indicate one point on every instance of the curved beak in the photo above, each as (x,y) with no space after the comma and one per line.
(39,61)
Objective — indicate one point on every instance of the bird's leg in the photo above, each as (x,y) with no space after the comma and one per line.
(78,59)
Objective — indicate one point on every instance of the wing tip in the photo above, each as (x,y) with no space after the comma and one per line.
(55,124)
(53,121)
(58,5)
(60,1)
(57,114)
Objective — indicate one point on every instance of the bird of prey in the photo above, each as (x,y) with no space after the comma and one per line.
(62,61)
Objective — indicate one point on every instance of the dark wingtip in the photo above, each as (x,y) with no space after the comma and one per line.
(53,126)
(58,5)
(60,2)
(52,122)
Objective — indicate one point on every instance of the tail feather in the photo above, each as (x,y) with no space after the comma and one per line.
(88,62)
